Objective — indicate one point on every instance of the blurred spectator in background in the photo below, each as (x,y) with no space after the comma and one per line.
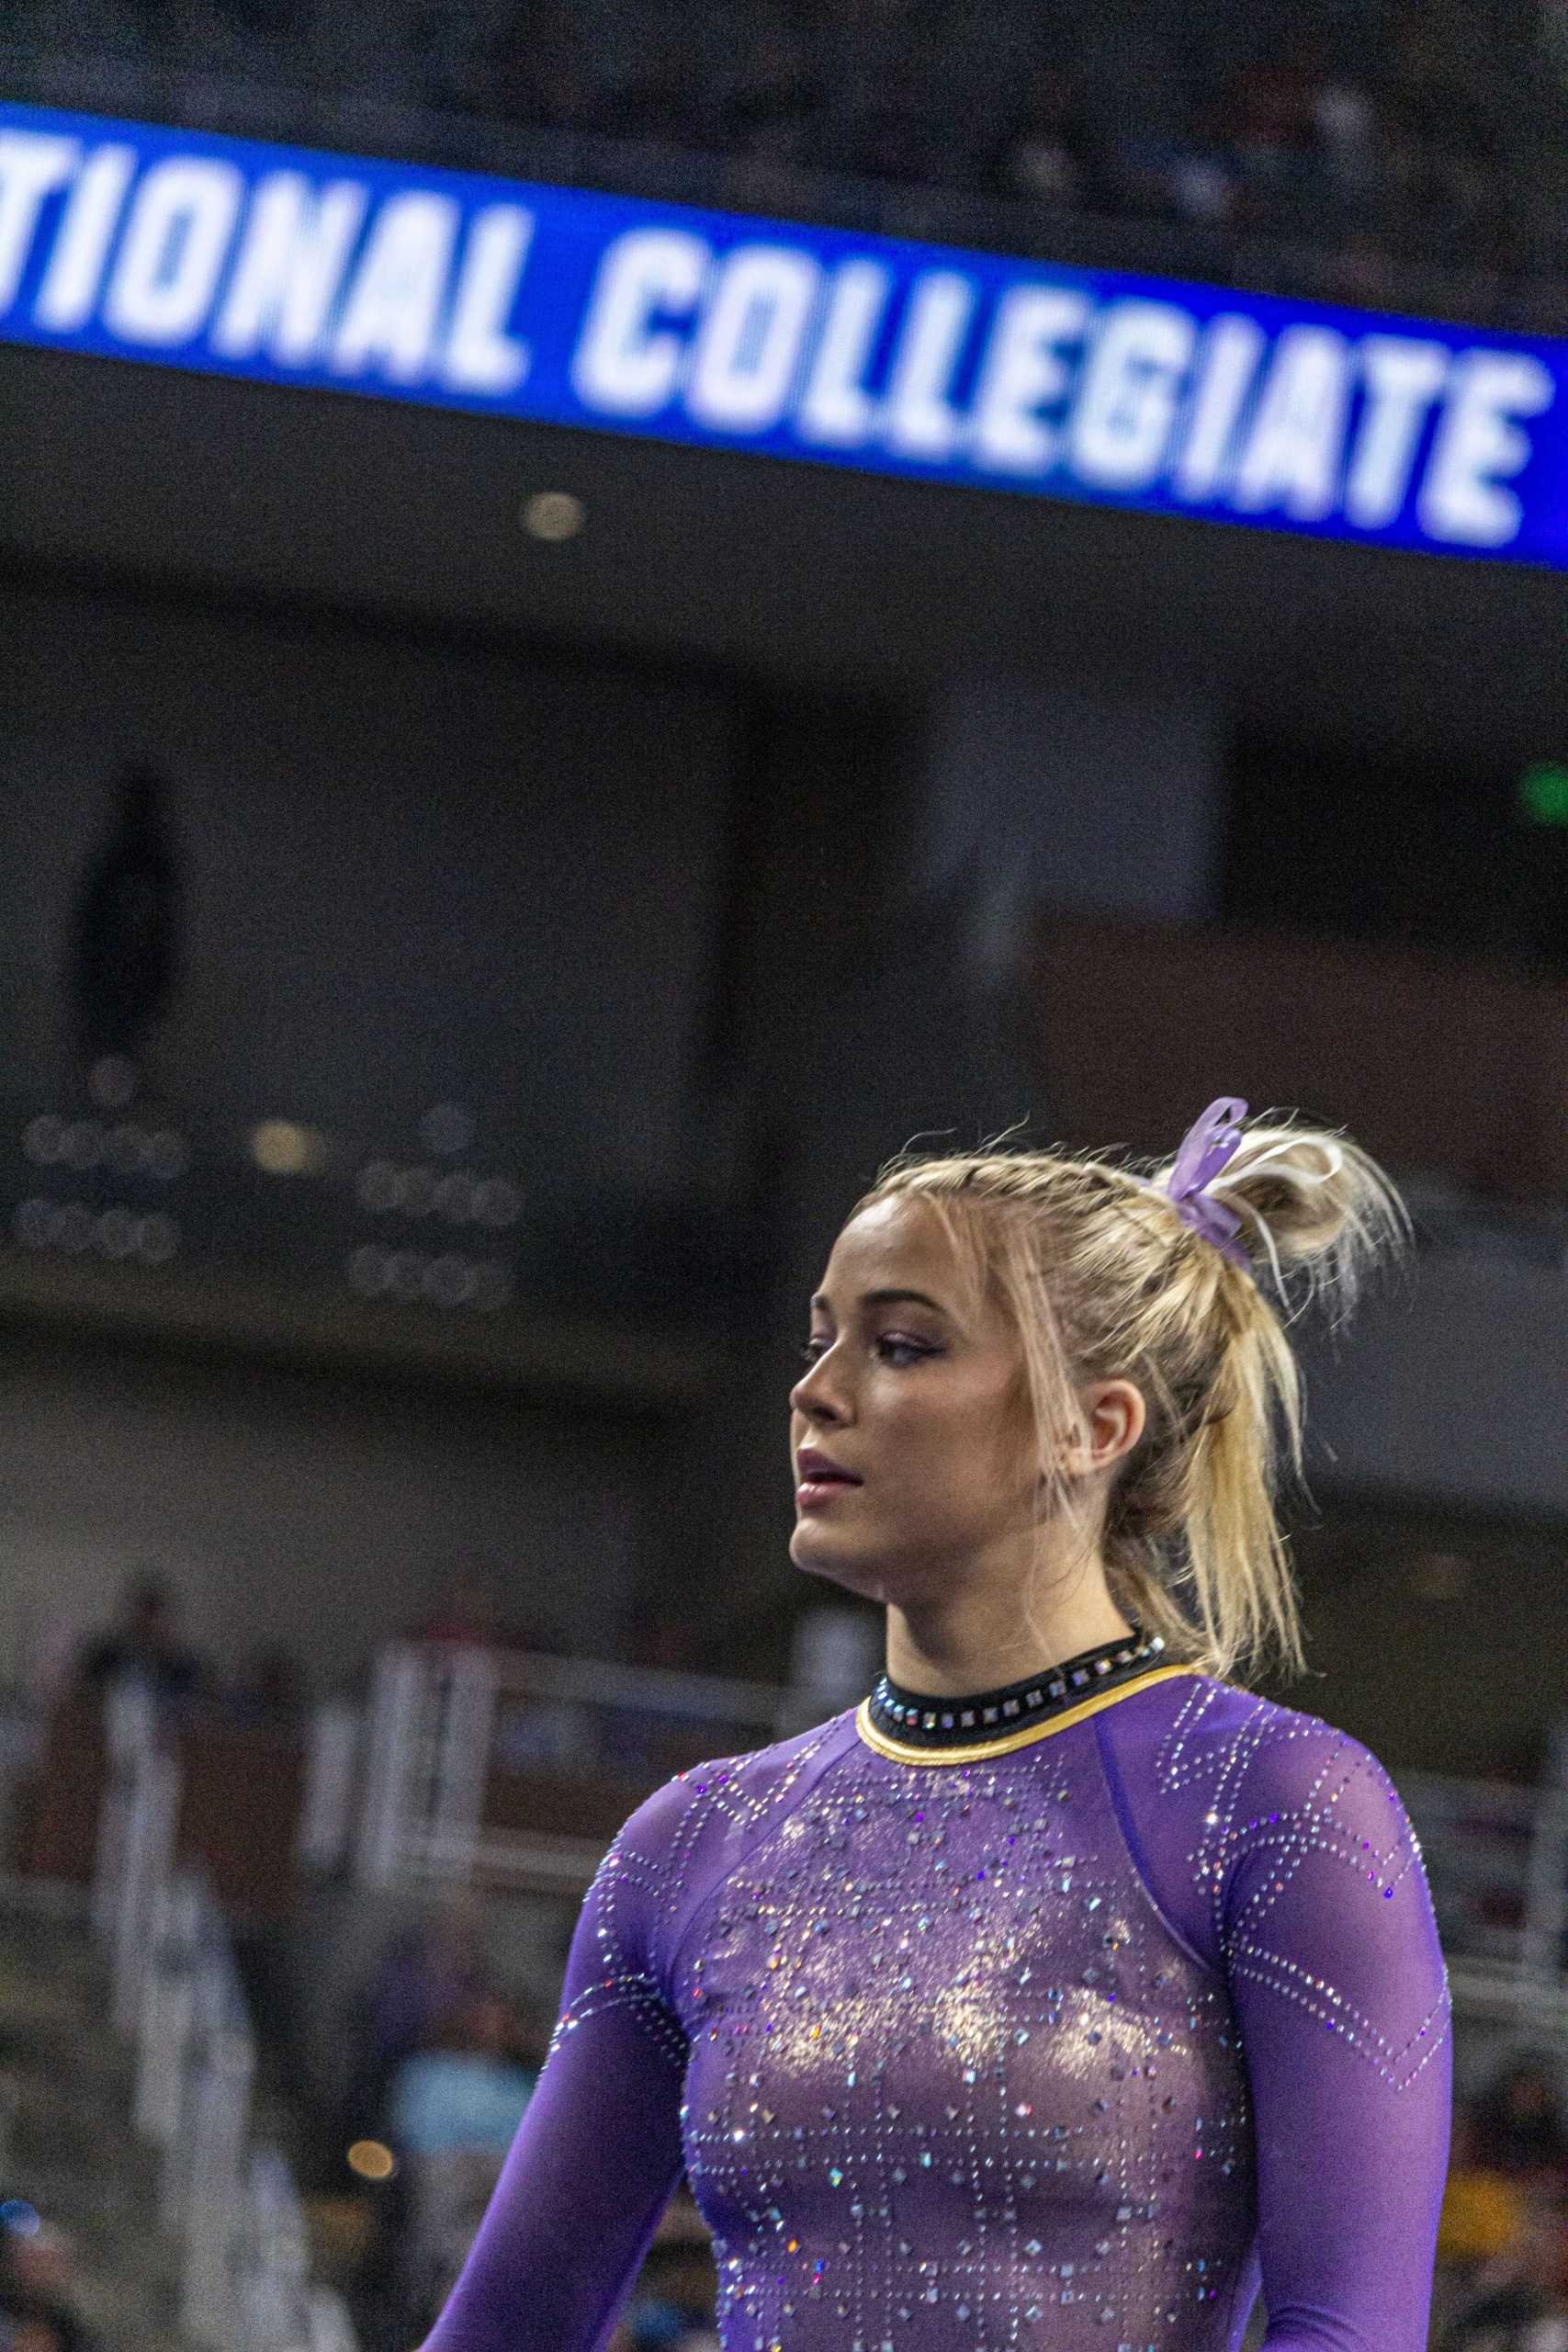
(1520,2302)
(1344,131)
(145,1644)
(451,2114)
(425,1974)
(125,951)
(656,1740)
(1447,181)
(1046,153)
(672,2308)
(35,2290)
(1482,2206)
(1525,1758)
(886,134)
(1519,2124)
(1271,102)
(272,1688)
(467,1608)
(467,2088)
(466,1614)
(767,114)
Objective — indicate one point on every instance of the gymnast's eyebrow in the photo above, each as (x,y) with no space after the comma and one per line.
(891,1298)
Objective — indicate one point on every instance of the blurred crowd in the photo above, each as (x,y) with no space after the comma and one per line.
(38,2310)
(440,2044)
(444,2057)
(1503,2238)
(445,2060)
(1400,146)
(145,1644)
(1406,133)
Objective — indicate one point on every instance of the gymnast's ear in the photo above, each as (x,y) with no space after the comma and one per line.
(1115,1417)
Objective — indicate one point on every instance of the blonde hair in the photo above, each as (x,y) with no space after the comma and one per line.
(1102,1279)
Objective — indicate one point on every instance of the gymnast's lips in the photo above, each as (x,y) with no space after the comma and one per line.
(816,1469)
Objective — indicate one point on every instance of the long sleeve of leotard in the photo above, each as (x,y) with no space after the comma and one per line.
(1330,1948)
(1278,1849)
(597,2154)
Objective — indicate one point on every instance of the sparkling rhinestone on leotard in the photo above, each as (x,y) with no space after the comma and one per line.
(968,2044)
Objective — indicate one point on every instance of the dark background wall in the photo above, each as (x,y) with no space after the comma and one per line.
(411,874)
(699,850)
(321,1512)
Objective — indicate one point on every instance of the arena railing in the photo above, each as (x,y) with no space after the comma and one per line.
(230,2209)
(512,1771)
(517,1768)
(278,2310)
(1496,1858)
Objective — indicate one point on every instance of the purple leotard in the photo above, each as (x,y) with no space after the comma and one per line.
(1074,2048)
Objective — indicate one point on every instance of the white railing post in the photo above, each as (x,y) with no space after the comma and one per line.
(392,1741)
(210,1980)
(272,2291)
(221,2119)
(327,1817)
(1546,1890)
(129,1728)
(168,2009)
(148,1855)
(234,2210)
(462,1759)
(429,1744)
(328,2325)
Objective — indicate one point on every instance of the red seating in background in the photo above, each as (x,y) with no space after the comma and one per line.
(242,1786)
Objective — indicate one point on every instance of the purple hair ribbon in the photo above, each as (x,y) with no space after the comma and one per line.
(1208,1147)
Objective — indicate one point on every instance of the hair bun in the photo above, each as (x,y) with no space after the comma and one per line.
(1309,1197)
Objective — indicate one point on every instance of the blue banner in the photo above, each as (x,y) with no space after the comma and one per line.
(455,290)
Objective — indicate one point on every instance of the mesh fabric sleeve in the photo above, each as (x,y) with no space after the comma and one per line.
(598,2151)
(1325,1922)
(1343,2000)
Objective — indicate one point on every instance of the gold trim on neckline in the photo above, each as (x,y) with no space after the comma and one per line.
(1025,1737)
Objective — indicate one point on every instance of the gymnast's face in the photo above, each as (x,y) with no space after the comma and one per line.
(924,1402)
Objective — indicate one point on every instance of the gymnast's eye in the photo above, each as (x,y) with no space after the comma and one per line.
(889,1346)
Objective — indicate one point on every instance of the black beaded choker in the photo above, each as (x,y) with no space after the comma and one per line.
(919,1720)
